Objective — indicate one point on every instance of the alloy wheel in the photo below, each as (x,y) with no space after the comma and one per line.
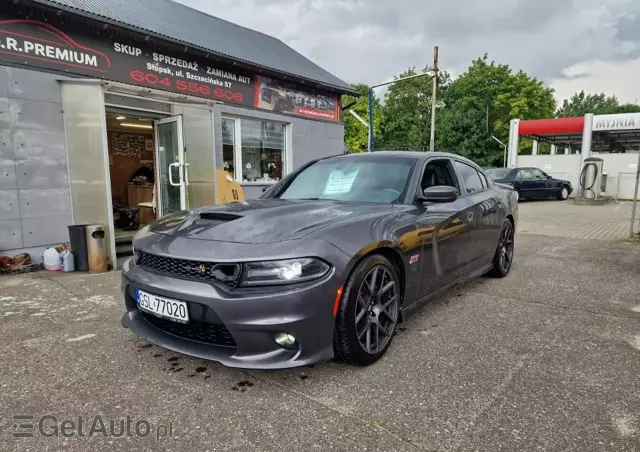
(564,193)
(506,247)
(377,309)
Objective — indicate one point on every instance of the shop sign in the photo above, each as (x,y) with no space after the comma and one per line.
(40,44)
(625,121)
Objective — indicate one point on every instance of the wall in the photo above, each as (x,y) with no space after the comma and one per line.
(308,139)
(122,167)
(35,203)
(619,168)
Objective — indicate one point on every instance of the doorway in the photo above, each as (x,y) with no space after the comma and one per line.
(147,171)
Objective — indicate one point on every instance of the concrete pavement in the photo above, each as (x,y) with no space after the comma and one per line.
(566,219)
(546,359)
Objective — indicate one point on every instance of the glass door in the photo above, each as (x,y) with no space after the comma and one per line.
(172,172)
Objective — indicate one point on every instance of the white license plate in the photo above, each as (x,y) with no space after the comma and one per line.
(163,307)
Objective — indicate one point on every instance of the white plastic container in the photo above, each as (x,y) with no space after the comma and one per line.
(67,261)
(51,259)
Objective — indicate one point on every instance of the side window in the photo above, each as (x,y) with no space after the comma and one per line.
(525,174)
(539,174)
(470,177)
(438,172)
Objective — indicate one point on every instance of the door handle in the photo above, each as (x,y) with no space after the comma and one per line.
(172,165)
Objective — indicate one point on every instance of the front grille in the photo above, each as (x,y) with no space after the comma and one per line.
(187,269)
(206,333)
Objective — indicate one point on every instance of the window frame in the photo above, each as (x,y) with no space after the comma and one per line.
(519,179)
(454,174)
(237,149)
(462,182)
(545,176)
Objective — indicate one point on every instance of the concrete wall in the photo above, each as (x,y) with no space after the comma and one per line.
(620,169)
(35,203)
(306,140)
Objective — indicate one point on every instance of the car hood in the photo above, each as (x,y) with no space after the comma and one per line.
(263,220)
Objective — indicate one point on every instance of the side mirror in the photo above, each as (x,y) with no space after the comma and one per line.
(440,193)
(549,177)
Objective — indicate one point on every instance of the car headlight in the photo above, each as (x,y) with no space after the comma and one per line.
(288,271)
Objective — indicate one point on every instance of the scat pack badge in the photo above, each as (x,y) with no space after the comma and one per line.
(413,259)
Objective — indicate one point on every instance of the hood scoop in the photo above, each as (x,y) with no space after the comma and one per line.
(219,216)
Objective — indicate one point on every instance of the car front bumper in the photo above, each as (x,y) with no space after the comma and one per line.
(237,327)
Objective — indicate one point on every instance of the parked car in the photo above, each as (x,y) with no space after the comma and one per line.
(531,183)
(325,264)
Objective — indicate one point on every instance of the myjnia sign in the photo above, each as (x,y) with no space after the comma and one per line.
(625,121)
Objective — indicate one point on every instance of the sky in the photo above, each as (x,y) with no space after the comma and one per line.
(571,45)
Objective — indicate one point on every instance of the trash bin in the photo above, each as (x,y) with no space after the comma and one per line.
(96,248)
(78,240)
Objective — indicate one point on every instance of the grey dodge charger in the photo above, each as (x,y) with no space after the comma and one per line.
(325,264)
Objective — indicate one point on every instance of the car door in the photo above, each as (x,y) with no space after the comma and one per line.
(490,214)
(545,188)
(477,191)
(527,184)
(443,229)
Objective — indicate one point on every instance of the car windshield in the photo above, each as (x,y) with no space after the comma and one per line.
(375,179)
(498,173)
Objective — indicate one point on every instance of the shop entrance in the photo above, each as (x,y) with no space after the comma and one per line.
(147,171)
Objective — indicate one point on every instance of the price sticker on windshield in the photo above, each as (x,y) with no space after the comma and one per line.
(339,182)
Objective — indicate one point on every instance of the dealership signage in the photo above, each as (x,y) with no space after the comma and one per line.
(42,45)
(625,121)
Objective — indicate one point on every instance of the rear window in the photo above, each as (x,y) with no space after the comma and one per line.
(498,173)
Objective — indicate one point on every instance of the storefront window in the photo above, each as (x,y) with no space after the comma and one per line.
(228,144)
(262,146)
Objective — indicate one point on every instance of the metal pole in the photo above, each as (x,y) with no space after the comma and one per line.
(371,119)
(504,157)
(359,118)
(635,198)
(432,141)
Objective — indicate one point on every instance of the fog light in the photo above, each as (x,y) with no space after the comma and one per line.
(285,340)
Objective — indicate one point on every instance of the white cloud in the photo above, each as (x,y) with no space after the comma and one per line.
(617,77)
(371,40)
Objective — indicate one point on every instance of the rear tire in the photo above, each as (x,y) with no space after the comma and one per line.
(369,311)
(503,257)
(564,193)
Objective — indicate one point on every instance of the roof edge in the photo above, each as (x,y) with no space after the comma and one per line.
(302,80)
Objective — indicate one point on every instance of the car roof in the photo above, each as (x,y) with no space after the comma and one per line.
(408,154)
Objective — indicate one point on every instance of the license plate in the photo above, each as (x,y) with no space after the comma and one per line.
(162,307)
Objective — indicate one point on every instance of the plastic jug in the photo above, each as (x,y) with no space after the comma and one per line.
(67,261)
(51,259)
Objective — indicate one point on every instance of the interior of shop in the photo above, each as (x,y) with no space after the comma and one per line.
(132,169)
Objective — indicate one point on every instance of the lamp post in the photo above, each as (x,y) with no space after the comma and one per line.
(433,112)
(504,159)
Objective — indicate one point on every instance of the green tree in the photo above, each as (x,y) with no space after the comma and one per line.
(356,135)
(481,102)
(581,103)
(407,110)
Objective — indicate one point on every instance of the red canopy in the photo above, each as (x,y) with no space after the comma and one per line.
(557,126)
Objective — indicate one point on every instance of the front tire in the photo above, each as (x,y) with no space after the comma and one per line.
(368,314)
(564,193)
(503,257)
